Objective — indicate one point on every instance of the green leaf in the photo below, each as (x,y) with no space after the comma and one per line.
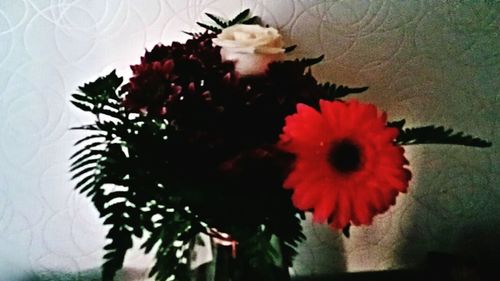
(115,114)
(83,106)
(93,154)
(290,48)
(84,160)
(397,124)
(105,85)
(347,230)
(239,18)
(334,92)
(306,62)
(208,27)
(167,263)
(121,241)
(82,98)
(83,183)
(251,20)
(83,172)
(95,136)
(86,148)
(437,135)
(91,127)
(88,186)
(153,239)
(220,22)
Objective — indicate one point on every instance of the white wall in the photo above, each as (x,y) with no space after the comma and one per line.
(428,61)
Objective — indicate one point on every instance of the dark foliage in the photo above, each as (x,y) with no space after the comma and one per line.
(188,145)
(242,18)
(435,135)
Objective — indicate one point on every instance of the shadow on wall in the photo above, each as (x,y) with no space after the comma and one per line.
(454,236)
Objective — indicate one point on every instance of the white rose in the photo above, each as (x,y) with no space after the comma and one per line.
(251,47)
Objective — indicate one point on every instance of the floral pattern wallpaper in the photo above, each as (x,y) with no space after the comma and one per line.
(431,61)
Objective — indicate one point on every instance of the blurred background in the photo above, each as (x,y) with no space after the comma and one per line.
(431,62)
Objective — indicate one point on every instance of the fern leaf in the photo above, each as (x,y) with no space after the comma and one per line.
(397,124)
(91,155)
(82,98)
(251,20)
(121,242)
(290,48)
(111,113)
(103,86)
(119,234)
(89,186)
(153,239)
(91,127)
(86,148)
(239,18)
(95,136)
(83,182)
(220,22)
(208,27)
(437,135)
(306,62)
(82,106)
(83,172)
(334,92)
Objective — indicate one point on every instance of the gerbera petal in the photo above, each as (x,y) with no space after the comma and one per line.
(326,204)
(334,189)
(343,214)
(305,198)
(362,210)
(333,113)
(306,127)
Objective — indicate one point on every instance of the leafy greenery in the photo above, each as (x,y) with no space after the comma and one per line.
(179,151)
(242,18)
(110,171)
(435,135)
(334,91)
(119,168)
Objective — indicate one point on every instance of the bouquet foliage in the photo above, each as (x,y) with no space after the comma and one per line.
(192,144)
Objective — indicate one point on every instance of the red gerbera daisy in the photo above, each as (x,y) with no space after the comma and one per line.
(348,168)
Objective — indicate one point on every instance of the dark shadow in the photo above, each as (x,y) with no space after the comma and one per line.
(127,274)
(475,256)
(392,275)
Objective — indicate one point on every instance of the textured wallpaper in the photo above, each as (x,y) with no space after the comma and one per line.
(429,61)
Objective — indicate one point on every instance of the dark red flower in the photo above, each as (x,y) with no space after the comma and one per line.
(171,74)
(348,168)
(150,87)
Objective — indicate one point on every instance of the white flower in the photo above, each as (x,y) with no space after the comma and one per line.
(250,47)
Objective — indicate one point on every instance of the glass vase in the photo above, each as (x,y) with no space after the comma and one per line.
(228,263)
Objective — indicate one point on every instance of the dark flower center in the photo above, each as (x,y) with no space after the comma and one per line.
(345,156)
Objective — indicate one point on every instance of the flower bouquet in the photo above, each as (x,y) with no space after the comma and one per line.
(222,136)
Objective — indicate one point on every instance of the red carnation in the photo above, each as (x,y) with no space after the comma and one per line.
(348,168)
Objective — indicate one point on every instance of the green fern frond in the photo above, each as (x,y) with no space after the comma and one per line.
(435,135)
(90,137)
(209,27)
(239,18)
(220,22)
(307,62)
(103,88)
(334,91)
(290,48)
(250,20)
